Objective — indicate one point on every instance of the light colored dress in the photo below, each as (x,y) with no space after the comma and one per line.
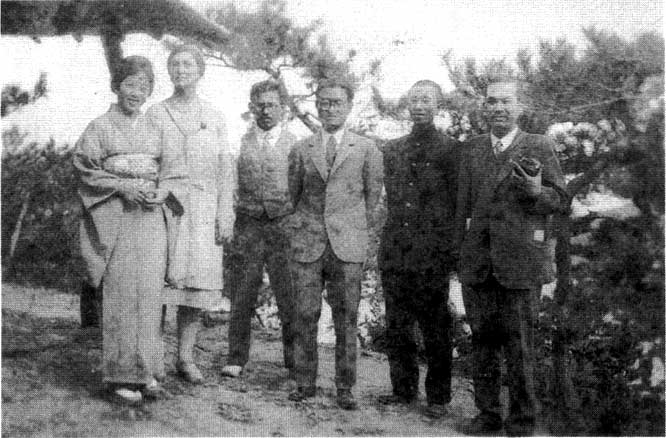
(124,247)
(195,143)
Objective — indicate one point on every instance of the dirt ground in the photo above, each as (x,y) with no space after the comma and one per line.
(51,386)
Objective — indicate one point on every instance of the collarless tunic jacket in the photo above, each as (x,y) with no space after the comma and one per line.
(420,176)
(500,228)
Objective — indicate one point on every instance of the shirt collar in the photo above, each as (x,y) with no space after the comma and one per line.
(337,135)
(506,140)
(271,136)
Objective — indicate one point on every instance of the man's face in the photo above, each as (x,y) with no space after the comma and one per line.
(333,108)
(423,103)
(501,107)
(267,109)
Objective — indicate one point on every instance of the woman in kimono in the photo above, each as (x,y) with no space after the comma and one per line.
(123,232)
(194,142)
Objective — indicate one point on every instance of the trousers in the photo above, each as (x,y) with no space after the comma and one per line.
(503,319)
(259,242)
(418,297)
(342,282)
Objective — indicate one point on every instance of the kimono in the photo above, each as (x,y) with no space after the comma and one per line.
(195,144)
(124,246)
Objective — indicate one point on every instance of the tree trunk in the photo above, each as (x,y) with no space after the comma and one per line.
(276,75)
(112,36)
(564,392)
(17,229)
(90,305)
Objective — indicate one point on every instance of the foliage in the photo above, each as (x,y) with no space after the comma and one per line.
(13,97)
(268,40)
(614,331)
(40,207)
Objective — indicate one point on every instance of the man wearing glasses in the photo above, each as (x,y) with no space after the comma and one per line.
(336,180)
(262,203)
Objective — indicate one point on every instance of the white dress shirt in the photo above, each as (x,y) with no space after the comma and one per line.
(270,137)
(504,141)
(337,135)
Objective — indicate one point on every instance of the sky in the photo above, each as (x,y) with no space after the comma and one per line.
(78,77)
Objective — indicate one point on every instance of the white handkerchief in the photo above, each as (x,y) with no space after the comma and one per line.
(539,235)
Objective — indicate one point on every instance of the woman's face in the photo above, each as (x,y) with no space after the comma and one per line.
(133,92)
(183,70)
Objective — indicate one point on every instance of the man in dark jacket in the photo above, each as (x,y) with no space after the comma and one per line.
(510,184)
(263,201)
(417,251)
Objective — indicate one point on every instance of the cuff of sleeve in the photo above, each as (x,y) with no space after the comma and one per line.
(547,202)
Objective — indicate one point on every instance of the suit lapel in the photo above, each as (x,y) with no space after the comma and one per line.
(317,155)
(343,150)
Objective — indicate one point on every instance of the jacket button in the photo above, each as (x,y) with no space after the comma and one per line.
(408,204)
(411,184)
(406,224)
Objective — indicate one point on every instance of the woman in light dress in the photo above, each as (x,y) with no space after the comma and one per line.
(123,232)
(194,142)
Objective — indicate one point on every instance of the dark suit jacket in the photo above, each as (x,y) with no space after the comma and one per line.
(500,228)
(420,177)
(333,207)
(262,177)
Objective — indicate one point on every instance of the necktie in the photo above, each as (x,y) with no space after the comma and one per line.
(330,152)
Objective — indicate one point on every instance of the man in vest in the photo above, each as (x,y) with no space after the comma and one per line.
(262,203)
(335,176)
(509,186)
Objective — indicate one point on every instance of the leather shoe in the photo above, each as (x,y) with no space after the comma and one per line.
(155,391)
(302,393)
(436,411)
(126,396)
(190,372)
(395,399)
(345,400)
(232,370)
(481,425)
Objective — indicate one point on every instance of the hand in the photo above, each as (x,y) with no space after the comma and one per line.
(224,231)
(531,184)
(156,196)
(133,194)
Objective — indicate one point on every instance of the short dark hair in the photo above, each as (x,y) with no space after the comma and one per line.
(266,86)
(435,85)
(521,86)
(336,83)
(129,66)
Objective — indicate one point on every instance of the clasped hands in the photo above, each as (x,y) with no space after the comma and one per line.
(145,198)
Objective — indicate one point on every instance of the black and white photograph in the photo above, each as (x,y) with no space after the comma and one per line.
(332,218)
